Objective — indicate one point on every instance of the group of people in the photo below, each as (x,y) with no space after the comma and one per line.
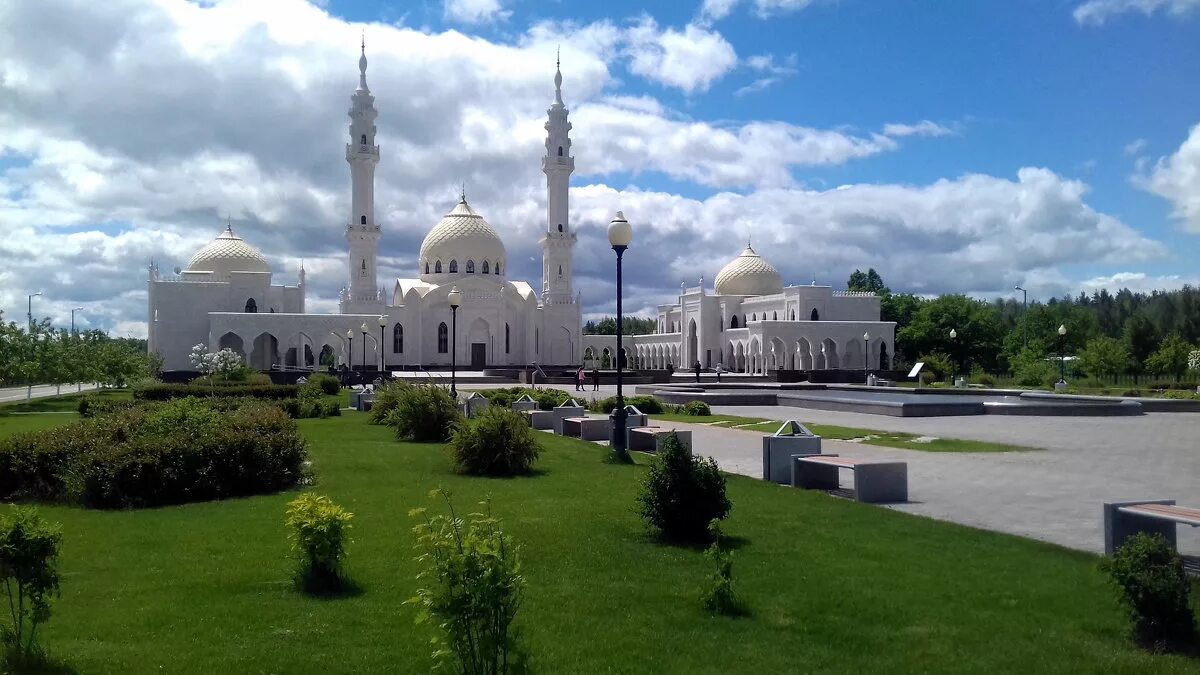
(581,379)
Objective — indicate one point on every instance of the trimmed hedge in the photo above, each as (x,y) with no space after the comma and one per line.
(646,404)
(547,398)
(166,392)
(301,407)
(172,453)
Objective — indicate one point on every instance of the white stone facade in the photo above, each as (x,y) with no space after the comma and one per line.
(225,297)
(751,323)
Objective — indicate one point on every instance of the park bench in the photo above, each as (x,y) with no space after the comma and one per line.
(650,439)
(1122,520)
(568,409)
(790,440)
(586,428)
(874,481)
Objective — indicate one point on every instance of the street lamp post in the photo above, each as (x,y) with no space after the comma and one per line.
(1024,313)
(455,298)
(30,306)
(620,234)
(382,325)
(350,357)
(866,357)
(363,330)
(953,361)
(1062,354)
(73,310)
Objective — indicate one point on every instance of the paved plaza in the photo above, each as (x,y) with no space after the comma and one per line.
(1053,495)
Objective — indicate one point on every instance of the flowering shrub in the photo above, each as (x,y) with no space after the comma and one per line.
(224,362)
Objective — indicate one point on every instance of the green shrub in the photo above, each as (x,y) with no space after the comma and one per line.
(471,589)
(646,404)
(1182,385)
(386,398)
(1180,395)
(696,409)
(91,406)
(939,365)
(423,412)
(681,493)
(496,442)
(156,454)
(328,384)
(978,376)
(28,566)
(1153,587)
(164,392)
(716,595)
(318,535)
(1036,374)
(547,398)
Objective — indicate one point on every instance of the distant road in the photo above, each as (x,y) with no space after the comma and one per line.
(13,394)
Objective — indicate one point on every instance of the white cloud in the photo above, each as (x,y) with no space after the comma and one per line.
(146,122)
(758,85)
(475,11)
(715,10)
(690,60)
(1138,282)
(1177,179)
(1135,147)
(922,128)
(1096,12)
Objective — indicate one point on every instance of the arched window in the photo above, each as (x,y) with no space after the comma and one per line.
(453,266)
(537,341)
(560,227)
(437,267)
(754,317)
(443,341)
(815,316)
(251,306)
(363,139)
(426,267)
(362,220)
(497,268)
(733,322)
(560,270)
(398,339)
(485,267)
(560,151)
(793,315)
(470,267)
(506,336)
(774,316)
(363,266)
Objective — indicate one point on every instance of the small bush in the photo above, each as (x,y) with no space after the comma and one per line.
(978,376)
(318,535)
(717,594)
(423,412)
(547,398)
(165,392)
(1152,585)
(646,404)
(696,409)
(497,442)
(91,406)
(387,396)
(28,567)
(1036,374)
(1180,395)
(681,493)
(328,384)
(939,365)
(471,589)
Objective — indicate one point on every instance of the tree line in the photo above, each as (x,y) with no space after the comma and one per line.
(38,353)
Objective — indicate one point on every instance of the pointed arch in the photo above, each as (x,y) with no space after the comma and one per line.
(363,139)
(774,316)
(443,339)
(437,267)
(426,267)
(733,323)
(398,339)
(470,267)
(507,334)
(792,316)
(251,306)
(486,269)
(362,220)
(453,266)
(497,268)
(815,316)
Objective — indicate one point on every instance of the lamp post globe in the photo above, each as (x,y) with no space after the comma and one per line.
(363,329)
(382,325)
(953,361)
(620,234)
(454,297)
(866,354)
(350,355)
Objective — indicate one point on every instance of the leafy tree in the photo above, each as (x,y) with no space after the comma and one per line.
(870,281)
(1104,356)
(631,325)
(1140,336)
(976,324)
(1171,357)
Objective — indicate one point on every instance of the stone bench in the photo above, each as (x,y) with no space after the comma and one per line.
(791,440)
(650,439)
(586,428)
(874,481)
(568,409)
(524,403)
(1122,520)
(540,419)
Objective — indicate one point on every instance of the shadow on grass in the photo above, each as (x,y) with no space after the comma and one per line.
(38,663)
(728,542)
(739,610)
(532,473)
(323,587)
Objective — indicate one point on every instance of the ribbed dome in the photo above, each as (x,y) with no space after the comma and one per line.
(228,253)
(749,274)
(462,236)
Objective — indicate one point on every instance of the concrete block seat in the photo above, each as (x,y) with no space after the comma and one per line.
(1122,520)
(874,481)
(633,418)
(524,403)
(540,419)
(790,440)
(568,409)
(650,439)
(586,428)
(475,404)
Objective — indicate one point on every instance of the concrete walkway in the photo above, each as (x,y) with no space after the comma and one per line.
(16,394)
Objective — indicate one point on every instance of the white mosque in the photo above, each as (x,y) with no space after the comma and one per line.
(225,297)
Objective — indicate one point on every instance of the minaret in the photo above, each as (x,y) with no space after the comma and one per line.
(559,240)
(362,232)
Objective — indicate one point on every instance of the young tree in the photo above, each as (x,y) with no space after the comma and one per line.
(1104,356)
(1171,357)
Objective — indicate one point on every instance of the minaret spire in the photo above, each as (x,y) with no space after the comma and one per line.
(558,77)
(362,230)
(362,64)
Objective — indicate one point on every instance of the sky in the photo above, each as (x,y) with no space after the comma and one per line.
(956,147)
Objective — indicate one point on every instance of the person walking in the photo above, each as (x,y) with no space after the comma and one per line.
(719,368)
(696,367)
(595,379)
(579,379)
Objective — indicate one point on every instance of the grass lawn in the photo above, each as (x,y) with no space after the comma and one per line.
(831,585)
(888,439)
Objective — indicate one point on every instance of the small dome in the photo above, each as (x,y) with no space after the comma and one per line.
(749,274)
(462,236)
(228,253)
